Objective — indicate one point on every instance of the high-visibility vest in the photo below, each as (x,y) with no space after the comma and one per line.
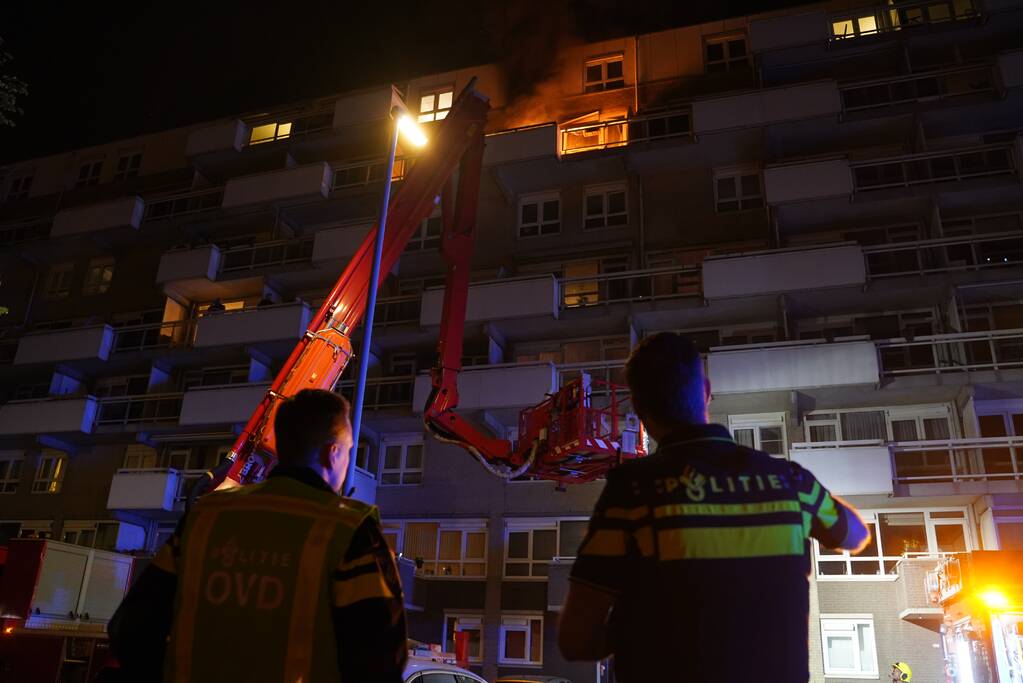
(254,581)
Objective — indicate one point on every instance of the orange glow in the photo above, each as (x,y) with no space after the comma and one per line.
(8,630)
(994,598)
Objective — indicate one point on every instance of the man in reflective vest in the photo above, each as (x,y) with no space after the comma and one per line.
(279,581)
(696,563)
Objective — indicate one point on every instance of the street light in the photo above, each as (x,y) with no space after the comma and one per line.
(406,127)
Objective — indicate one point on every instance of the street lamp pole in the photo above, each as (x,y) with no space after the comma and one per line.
(371,304)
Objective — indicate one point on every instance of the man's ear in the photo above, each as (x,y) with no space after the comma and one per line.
(326,455)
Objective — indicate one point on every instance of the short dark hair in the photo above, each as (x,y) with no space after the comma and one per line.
(307,421)
(665,377)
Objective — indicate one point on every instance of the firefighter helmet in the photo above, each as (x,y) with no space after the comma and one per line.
(901,672)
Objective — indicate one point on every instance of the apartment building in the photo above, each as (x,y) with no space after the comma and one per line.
(828,198)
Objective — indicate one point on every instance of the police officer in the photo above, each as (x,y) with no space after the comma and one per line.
(696,562)
(279,581)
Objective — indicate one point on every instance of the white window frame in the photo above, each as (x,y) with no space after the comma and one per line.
(89,173)
(403,470)
(730,63)
(397,527)
(20,187)
(511,621)
(269,131)
(135,458)
(605,215)
(422,240)
(531,525)
(42,528)
(12,471)
(56,462)
(919,413)
(97,280)
(435,110)
(59,280)
(474,620)
(128,165)
(605,81)
(364,455)
(839,624)
(741,200)
(854,19)
(80,527)
(539,199)
(758,421)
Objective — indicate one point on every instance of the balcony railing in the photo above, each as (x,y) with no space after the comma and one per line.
(140,409)
(169,335)
(984,161)
(902,16)
(25,231)
(589,137)
(606,371)
(398,310)
(950,353)
(383,392)
(264,131)
(182,204)
(922,87)
(956,460)
(949,254)
(265,254)
(634,285)
(366,172)
(660,125)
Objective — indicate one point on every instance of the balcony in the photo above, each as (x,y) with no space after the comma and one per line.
(521,144)
(944,255)
(772,272)
(943,354)
(764,107)
(20,232)
(364,173)
(76,343)
(185,204)
(276,253)
(484,387)
(367,106)
(911,170)
(133,412)
(929,86)
(789,30)
(652,284)
(126,212)
(991,460)
(792,365)
(277,127)
(218,137)
(339,244)
(300,182)
(200,263)
(225,404)
(903,16)
(593,136)
(153,336)
(802,181)
(498,300)
(56,415)
(849,468)
(383,392)
(661,124)
(252,325)
(911,599)
(151,491)
(1010,68)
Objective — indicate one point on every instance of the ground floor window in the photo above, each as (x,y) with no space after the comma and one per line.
(521,639)
(33,529)
(849,646)
(464,623)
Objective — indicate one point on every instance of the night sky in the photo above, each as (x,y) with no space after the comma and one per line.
(100,71)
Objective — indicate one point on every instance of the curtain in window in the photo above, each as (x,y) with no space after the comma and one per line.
(421,540)
(863,426)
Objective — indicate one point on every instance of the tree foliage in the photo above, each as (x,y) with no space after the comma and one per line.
(11,88)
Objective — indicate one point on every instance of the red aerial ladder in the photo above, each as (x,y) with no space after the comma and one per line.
(574,435)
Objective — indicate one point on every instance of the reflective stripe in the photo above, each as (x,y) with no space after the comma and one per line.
(730,542)
(631,514)
(714,509)
(194,556)
(355,564)
(811,498)
(604,543)
(807,523)
(164,559)
(262,502)
(644,536)
(301,633)
(361,587)
(828,512)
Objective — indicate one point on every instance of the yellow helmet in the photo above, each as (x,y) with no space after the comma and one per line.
(903,671)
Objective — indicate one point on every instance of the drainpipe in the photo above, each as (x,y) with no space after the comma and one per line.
(642,224)
(635,75)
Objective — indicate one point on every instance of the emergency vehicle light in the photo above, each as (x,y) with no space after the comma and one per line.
(994,598)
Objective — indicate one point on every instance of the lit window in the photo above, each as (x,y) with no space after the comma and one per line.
(442,549)
(737,191)
(403,464)
(98,276)
(464,623)
(852,27)
(10,471)
(587,134)
(428,235)
(128,166)
(58,281)
(19,187)
(539,215)
(269,132)
(762,432)
(49,472)
(89,173)
(521,639)
(606,73)
(434,106)
(849,647)
(605,207)
(725,54)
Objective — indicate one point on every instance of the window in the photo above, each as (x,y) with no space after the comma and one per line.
(530,545)
(849,647)
(58,280)
(11,463)
(123,385)
(215,376)
(428,235)
(269,132)
(100,535)
(139,457)
(909,423)
(88,173)
(449,548)
(434,106)
(128,166)
(854,26)
(605,207)
(403,464)
(50,472)
(36,529)
(737,191)
(521,639)
(19,187)
(606,73)
(725,54)
(764,432)
(365,458)
(591,133)
(98,276)
(464,623)
(539,215)
(1010,533)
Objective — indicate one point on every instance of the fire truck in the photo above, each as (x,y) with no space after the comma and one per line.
(981,595)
